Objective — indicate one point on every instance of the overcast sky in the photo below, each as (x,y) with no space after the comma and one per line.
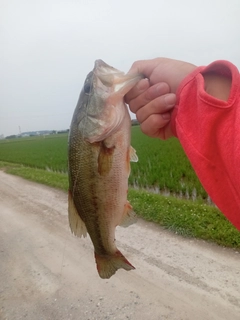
(47,47)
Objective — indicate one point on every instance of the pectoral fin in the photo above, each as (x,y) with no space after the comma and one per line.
(77,226)
(129,216)
(133,155)
(105,159)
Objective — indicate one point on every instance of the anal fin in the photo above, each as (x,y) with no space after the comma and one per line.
(76,224)
(129,216)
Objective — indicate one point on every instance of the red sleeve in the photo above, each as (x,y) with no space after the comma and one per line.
(209,131)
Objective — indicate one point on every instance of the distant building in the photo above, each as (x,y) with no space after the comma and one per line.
(24,134)
(36,133)
(1,136)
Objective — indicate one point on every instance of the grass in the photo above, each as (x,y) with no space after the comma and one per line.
(162,166)
(183,217)
(49,178)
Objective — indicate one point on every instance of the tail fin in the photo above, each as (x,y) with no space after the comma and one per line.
(108,265)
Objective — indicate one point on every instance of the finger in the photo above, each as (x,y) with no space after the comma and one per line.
(156,127)
(144,67)
(139,88)
(160,105)
(147,96)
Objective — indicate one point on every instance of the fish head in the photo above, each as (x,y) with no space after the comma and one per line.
(101,108)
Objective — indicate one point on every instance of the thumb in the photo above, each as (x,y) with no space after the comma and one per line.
(144,67)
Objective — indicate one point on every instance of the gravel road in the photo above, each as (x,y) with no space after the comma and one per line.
(47,273)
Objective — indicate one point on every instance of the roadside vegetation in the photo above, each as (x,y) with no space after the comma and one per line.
(162,169)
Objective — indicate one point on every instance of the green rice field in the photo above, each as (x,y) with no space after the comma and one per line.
(162,165)
(43,152)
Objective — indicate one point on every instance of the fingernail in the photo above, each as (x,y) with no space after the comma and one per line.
(170,99)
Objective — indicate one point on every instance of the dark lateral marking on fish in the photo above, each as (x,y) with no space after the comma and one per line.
(105,159)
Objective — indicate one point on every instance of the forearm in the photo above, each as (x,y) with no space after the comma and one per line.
(207,120)
(217,85)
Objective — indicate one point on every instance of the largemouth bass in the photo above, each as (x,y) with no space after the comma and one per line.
(99,155)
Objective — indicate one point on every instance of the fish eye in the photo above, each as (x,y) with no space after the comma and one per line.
(87,88)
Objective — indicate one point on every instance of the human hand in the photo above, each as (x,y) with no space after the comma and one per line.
(153,99)
(153,106)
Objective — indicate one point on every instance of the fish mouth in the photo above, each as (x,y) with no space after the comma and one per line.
(101,63)
(118,81)
(105,73)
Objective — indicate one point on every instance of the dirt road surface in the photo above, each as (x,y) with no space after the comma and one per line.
(47,273)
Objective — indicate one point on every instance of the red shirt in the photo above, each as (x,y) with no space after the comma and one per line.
(209,131)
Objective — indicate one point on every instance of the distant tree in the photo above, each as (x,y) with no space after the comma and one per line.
(135,122)
(63,131)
